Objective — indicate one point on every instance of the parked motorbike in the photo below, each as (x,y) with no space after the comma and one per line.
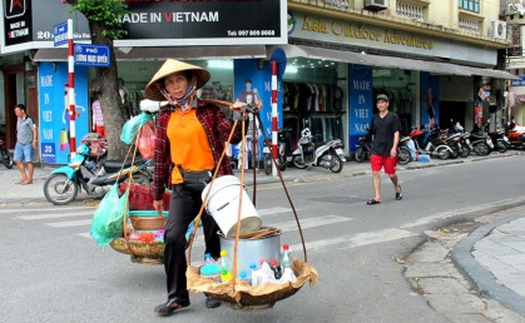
(460,140)
(284,150)
(5,156)
(92,173)
(329,155)
(480,142)
(515,134)
(431,141)
(499,139)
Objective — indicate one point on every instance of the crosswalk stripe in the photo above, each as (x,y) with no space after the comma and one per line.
(55,215)
(43,210)
(358,240)
(64,224)
(308,223)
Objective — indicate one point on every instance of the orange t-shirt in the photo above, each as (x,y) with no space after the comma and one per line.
(189,145)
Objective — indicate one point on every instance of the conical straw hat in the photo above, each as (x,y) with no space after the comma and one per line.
(169,67)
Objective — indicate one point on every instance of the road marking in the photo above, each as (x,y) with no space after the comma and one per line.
(358,240)
(308,223)
(43,210)
(65,224)
(54,215)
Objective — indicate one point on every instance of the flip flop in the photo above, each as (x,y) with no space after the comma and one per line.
(372,202)
(399,195)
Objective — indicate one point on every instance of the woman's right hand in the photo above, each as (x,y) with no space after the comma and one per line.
(157,206)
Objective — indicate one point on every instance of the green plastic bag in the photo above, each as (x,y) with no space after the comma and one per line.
(132,126)
(107,220)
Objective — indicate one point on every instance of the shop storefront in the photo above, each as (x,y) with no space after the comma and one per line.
(207,35)
(336,68)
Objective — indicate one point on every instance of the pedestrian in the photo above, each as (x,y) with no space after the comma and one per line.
(385,130)
(191,136)
(26,139)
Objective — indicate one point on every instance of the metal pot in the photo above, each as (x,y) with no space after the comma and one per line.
(251,251)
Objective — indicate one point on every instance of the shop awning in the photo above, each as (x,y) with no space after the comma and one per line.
(391,62)
(157,53)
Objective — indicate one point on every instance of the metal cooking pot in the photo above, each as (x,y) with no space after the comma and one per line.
(251,251)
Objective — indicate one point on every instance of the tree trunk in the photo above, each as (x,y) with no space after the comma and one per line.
(106,85)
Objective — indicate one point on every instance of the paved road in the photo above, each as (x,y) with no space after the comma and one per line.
(491,257)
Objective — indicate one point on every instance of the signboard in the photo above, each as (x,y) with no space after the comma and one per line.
(60,34)
(154,23)
(91,55)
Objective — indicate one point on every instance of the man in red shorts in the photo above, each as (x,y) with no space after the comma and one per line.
(385,129)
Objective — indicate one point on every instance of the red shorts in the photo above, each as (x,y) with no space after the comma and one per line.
(389,163)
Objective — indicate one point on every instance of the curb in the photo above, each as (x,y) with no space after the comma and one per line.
(477,275)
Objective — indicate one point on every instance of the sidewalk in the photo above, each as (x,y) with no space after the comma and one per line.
(492,257)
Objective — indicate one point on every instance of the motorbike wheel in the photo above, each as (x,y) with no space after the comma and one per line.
(404,156)
(501,147)
(482,149)
(336,164)
(299,162)
(454,154)
(8,159)
(443,153)
(60,190)
(142,179)
(282,163)
(464,150)
(267,164)
(360,155)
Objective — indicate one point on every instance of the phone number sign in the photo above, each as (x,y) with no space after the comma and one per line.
(91,55)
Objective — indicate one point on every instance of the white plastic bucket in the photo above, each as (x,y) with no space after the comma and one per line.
(223,206)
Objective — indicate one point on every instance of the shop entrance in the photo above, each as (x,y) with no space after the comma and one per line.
(450,110)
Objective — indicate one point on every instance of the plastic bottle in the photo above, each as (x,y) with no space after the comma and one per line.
(244,277)
(222,261)
(225,275)
(277,270)
(266,273)
(255,275)
(211,271)
(208,259)
(286,259)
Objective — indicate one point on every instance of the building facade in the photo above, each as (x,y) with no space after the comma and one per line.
(437,59)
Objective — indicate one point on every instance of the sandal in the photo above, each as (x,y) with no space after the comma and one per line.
(399,195)
(372,202)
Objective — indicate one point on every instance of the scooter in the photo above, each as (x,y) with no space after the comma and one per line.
(92,173)
(431,142)
(499,139)
(5,156)
(283,151)
(329,155)
(516,134)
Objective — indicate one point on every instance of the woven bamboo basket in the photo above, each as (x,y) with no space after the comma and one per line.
(148,222)
(241,296)
(140,252)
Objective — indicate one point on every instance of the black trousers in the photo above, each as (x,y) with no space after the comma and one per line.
(185,205)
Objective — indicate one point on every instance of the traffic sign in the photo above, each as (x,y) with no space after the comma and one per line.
(91,55)
(60,34)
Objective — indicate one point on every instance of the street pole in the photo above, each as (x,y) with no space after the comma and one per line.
(275,151)
(71,91)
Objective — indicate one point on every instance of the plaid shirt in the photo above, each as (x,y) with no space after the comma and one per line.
(217,126)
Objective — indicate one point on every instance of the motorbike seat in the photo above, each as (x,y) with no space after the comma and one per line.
(114,166)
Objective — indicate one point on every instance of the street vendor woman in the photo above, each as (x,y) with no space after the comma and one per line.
(191,135)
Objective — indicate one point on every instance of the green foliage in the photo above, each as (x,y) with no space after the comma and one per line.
(105,12)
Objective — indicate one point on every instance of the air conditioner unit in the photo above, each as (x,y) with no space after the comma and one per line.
(376,5)
(498,29)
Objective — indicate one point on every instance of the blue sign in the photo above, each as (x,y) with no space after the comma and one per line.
(518,83)
(60,34)
(91,55)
